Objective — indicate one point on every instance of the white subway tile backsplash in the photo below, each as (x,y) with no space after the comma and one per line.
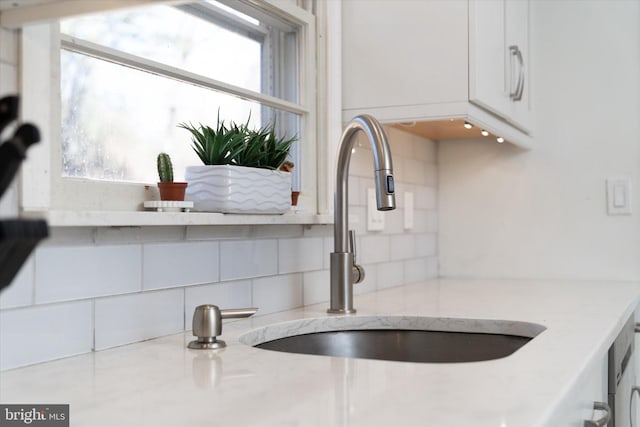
(364,184)
(37,334)
(296,255)
(425,197)
(318,231)
(427,152)
(244,232)
(426,245)
(328,248)
(431,176)
(163,234)
(20,292)
(399,171)
(8,46)
(432,221)
(224,295)
(117,235)
(394,221)
(356,196)
(66,273)
(70,236)
(418,270)
(433,268)
(390,274)
(358,219)
(403,246)
(248,258)
(204,232)
(374,248)
(316,287)
(420,221)
(131,318)
(179,264)
(401,142)
(414,172)
(361,161)
(277,293)
(276,231)
(9,80)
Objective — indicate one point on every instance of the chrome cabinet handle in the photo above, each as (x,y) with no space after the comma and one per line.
(599,406)
(207,325)
(516,94)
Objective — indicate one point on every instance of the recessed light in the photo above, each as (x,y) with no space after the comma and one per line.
(500,140)
(468,125)
(484,132)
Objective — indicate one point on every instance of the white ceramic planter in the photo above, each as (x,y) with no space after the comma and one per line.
(238,189)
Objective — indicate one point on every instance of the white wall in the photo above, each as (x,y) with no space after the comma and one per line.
(542,214)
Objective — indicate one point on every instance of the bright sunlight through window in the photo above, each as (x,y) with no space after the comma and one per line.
(128,79)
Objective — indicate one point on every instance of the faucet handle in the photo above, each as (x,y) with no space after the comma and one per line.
(207,325)
(357,271)
(352,244)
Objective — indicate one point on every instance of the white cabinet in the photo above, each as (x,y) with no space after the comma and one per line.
(499,59)
(402,53)
(431,61)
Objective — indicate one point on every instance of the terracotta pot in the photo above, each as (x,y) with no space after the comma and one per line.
(172,190)
(294,198)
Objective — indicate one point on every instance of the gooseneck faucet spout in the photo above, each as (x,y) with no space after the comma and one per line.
(344,271)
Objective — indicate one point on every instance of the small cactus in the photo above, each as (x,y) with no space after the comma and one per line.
(165,168)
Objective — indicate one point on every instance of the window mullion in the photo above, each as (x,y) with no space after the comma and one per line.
(225,20)
(112,55)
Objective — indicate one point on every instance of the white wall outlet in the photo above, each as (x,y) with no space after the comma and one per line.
(408,210)
(619,195)
(375,218)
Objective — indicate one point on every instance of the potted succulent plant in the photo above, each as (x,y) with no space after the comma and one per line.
(241,169)
(169,190)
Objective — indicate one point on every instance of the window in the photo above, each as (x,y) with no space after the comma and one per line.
(128,78)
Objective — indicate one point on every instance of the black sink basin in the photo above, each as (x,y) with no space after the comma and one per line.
(402,345)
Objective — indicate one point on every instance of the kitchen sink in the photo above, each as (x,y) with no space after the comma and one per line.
(399,338)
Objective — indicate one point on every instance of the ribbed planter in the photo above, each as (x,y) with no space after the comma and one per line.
(238,189)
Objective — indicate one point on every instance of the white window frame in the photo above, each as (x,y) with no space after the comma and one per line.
(43,188)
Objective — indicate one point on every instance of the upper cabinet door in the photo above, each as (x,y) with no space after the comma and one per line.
(434,64)
(488,82)
(517,22)
(500,60)
(403,53)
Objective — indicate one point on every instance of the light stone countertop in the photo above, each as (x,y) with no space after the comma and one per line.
(162,383)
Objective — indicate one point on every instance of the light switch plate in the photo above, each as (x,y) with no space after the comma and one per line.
(619,195)
(408,210)
(375,218)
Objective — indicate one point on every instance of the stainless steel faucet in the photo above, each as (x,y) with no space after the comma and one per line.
(344,270)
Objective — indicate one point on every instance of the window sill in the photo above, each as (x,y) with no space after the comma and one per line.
(150,218)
